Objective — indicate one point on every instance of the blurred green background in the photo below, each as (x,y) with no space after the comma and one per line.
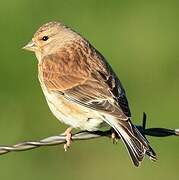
(139,39)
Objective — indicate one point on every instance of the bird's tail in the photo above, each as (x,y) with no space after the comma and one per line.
(137,145)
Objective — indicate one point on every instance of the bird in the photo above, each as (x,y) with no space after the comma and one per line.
(81,88)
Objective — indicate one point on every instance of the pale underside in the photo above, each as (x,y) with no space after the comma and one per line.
(73,114)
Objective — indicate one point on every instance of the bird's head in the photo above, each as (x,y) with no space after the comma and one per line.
(50,36)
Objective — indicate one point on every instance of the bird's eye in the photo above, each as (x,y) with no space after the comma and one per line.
(45,38)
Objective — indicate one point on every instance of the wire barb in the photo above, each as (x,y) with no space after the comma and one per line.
(85,135)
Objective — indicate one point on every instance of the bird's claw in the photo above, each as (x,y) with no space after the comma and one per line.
(114,138)
(67,138)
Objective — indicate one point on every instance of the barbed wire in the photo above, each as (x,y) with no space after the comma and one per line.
(85,135)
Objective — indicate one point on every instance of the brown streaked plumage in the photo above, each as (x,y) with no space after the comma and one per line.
(81,88)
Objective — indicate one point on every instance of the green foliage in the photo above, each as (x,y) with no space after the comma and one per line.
(139,39)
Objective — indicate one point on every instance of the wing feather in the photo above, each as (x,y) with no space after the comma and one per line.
(96,89)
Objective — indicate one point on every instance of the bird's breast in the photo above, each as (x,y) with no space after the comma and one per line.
(71,113)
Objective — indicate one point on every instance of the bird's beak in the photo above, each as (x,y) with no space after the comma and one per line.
(30,46)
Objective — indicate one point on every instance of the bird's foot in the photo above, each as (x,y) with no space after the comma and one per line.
(114,137)
(68,139)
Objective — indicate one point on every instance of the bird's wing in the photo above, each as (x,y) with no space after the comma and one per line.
(94,87)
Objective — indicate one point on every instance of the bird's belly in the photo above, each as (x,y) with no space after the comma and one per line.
(73,114)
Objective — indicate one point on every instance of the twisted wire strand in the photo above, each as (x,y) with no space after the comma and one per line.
(49,141)
(85,135)
(60,139)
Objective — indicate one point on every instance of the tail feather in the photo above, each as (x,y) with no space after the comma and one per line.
(137,145)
